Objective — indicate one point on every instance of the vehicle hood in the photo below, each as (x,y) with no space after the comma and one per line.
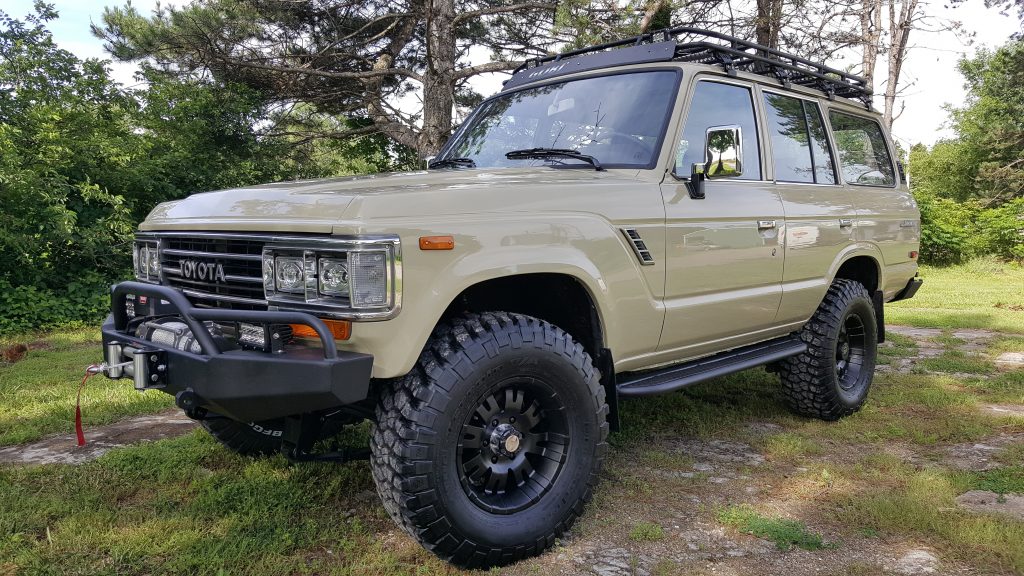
(324,206)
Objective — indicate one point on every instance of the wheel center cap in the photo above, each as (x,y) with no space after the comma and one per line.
(506,440)
(512,443)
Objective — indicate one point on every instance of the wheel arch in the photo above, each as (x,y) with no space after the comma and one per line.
(563,299)
(861,267)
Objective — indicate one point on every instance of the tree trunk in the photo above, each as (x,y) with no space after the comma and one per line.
(871,31)
(657,12)
(439,77)
(899,34)
(768,22)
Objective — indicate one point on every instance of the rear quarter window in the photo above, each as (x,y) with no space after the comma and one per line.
(863,155)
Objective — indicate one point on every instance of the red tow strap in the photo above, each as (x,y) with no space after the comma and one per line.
(78,405)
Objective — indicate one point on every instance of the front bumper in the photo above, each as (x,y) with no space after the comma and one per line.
(244,385)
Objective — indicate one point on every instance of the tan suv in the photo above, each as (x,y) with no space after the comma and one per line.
(624,220)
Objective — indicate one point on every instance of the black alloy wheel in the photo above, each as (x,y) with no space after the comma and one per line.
(513,446)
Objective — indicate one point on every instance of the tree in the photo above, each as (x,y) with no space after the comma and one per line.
(991,124)
(351,58)
(83,159)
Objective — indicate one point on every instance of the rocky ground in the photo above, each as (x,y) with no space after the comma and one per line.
(684,503)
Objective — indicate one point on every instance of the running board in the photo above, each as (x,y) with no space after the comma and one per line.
(679,376)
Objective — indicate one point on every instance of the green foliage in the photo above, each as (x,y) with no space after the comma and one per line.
(646,532)
(971,189)
(83,159)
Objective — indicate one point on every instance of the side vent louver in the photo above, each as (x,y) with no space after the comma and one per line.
(642,252)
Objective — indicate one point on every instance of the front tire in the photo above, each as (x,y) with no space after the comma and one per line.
(832,378)
(488,450)
(255,438)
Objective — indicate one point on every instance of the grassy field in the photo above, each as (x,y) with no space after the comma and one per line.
(792,494)
(37,394)
(984,293)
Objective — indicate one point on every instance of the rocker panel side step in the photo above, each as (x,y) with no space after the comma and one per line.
(682,375)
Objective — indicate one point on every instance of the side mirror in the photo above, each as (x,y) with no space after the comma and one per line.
(696,182)
(723,149)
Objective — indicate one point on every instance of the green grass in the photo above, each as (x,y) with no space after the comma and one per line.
(37,393)
(785,533)
(895,346)
(186,506)
(956,362)
(978,294)
(646,532)
(895,499)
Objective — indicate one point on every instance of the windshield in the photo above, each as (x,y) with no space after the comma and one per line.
(619,120)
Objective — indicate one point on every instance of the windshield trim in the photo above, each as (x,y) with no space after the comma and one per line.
(655,157)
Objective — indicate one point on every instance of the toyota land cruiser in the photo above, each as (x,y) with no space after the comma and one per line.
(619,221)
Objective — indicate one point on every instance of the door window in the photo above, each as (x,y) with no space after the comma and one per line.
(863,154)
(716,104)
(799,146)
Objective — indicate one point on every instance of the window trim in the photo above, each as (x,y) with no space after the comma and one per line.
(885,138)
(658,147)
(828,137)
(758,127)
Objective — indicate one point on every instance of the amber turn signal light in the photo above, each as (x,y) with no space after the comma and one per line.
(340,329)
(437,243)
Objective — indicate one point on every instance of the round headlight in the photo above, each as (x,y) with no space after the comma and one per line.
(333,276)
(289,274)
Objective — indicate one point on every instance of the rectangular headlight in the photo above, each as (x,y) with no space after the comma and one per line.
(358,278)
(146,260)
(369,279)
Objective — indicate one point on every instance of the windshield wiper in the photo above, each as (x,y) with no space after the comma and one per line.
(542,153)
(452,163)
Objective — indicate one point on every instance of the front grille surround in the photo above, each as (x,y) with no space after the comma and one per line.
(240,257)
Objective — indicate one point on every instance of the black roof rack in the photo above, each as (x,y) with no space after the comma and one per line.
(731,53)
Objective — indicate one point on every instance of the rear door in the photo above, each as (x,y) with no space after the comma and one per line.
(722,285)
(820,213)
(887,215)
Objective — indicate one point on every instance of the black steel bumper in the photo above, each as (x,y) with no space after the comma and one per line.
(908,292)
(244,385)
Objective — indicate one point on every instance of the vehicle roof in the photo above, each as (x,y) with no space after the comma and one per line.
(710,52)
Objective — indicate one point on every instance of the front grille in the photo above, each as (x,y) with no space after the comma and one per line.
(242,262)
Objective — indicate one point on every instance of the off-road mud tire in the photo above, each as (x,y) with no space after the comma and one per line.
(419,432)
(255,438)
(811,382)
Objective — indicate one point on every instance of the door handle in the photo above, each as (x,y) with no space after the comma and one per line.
(765,224)
(845,222)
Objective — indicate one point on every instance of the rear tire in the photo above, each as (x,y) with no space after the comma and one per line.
(488,450)
(832,378)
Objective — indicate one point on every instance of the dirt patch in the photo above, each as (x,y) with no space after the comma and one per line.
(63,449)
(991,502)
(1003,409)
(1010,361)
(13,353)
(978,456)
(916,562)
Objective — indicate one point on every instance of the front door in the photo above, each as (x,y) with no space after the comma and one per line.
(725,259)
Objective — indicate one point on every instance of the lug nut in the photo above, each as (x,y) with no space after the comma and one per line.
(494,422)
(512,420)
(494,459)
